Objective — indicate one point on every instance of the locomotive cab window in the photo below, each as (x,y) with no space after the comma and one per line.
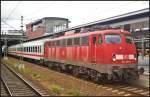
(129,39)
(113,38)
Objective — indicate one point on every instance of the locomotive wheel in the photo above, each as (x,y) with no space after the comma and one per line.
(76,71)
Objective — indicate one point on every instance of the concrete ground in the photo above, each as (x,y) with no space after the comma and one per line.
(144,62)
(144,79)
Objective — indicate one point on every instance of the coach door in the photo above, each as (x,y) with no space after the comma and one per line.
(93,48)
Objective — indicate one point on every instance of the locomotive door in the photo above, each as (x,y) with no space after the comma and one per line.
(93,48)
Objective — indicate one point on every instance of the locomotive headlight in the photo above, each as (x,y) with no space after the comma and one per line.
(114,57)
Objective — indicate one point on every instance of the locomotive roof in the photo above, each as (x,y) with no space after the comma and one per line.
(108,31)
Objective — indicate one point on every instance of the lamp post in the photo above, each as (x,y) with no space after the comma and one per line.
(21,65)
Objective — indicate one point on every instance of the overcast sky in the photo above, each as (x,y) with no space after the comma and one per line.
(78,12)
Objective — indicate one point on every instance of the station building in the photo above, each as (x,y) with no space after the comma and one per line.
(45,26)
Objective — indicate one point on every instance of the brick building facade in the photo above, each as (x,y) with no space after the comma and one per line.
(44,26)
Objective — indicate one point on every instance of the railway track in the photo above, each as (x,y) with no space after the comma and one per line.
(4,90)
(13,84)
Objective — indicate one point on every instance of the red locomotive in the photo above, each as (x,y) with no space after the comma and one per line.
(106,54)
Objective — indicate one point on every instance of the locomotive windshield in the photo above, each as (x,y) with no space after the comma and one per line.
(112,39)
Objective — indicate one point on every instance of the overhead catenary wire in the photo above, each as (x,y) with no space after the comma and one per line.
(13,10)
(40,9)
(9,25)
(108,10)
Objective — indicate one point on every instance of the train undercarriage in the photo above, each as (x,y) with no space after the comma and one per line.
(119,74)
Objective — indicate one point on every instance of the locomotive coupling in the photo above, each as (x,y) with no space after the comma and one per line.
(141,70)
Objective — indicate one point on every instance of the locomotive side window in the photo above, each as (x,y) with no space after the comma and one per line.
(84,40)
(94,40)
(49,43)
(63,42)
(112,39)
(53,43)
(129,39)
(100,39)
(57,43)
(69,42)
(76,41)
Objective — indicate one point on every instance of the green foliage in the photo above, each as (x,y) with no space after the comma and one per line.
(56,88)
(35,75)
(75,92)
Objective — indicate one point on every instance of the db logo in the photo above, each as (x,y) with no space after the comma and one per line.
(126,57)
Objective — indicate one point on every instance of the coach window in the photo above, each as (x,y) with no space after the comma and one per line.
(37,48)
(40,49)
(100,39)
(85,40)
(31,49)
(69,42)
(23,49)
(76,41)
(34,49)
(27,49)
